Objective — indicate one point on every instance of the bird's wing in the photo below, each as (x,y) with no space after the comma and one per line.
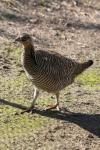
(54,61)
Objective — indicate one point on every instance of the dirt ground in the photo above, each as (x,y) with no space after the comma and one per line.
(72,28)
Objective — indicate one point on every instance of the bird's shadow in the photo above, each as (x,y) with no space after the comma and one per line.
(89,122)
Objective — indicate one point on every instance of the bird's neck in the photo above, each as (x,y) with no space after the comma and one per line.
(29,53)
(29,49)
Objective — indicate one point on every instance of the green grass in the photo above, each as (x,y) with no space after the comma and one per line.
(16,126)
(90,78)
(42,2)
(14,53)
(13,85)
(11,125)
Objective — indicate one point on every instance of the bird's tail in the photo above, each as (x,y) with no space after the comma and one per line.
(83,66)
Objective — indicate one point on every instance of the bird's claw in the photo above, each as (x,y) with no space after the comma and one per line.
(29,110)
(53,107)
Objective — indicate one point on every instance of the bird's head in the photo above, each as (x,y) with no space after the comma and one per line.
(25,39)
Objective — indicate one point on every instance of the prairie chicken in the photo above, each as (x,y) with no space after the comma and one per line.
(48,71)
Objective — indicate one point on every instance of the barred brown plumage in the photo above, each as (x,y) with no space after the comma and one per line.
(48,70)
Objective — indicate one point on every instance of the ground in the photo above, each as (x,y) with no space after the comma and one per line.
(71,28)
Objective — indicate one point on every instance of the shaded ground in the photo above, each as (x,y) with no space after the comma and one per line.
(68,27)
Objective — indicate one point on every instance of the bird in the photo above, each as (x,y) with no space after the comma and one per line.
(48,70)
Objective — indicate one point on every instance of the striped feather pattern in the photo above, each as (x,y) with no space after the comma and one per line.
(52,72)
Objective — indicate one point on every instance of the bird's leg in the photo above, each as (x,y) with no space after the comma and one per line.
(57,103)
(57,98)
(36,94)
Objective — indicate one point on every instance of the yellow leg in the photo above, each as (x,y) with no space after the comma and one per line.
(56,106)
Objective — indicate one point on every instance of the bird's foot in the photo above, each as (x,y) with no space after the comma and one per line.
(53,107)
(29,110)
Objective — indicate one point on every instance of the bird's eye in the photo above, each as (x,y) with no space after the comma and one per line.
(24,39)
